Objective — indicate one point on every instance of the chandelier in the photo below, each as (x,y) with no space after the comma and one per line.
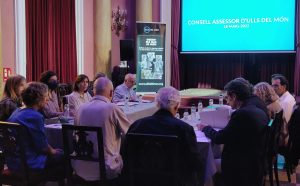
(119,22)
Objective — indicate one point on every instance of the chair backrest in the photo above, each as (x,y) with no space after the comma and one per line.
(153,159)
(78,147)
(294,137)
(274,134)
(11,145)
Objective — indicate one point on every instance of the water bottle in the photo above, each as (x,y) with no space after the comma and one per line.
(126,105)
(193,111)
(177,115)
(221,99)
(211,102)
(66,110)
(186,115)
(200,106)
(140,99)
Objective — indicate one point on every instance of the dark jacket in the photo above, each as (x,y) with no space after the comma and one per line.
(7,107)
(164,123)
(244,139)
(256,101)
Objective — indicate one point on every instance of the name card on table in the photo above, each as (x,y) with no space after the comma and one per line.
(217,118)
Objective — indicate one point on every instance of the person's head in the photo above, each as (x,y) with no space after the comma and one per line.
(246,82)
(279,83)
(98,75)
(50,79)
(265,92)
(103,87)
(129,80)
(236,93)
(168,98)
(14,86)
(81,83)
(35,95)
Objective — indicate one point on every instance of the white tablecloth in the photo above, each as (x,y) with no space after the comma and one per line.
(54,135)
(140,110)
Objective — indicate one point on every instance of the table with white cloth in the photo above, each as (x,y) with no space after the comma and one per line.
(208,151)
(134,111)
(137,110)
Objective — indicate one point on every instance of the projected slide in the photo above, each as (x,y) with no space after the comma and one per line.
(238,25)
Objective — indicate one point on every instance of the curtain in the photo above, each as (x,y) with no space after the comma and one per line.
(51,39)
(210,70)
(215,70)
(175,80)
(297,63)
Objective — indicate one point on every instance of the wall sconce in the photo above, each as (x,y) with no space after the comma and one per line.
(119,22)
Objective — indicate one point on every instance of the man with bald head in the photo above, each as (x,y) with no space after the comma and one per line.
(101,112)
(125,89)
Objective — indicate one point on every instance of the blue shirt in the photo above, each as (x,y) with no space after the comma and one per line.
(34,139)
(120,93)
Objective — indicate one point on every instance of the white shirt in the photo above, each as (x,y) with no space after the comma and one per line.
(287,102)
(102,113)
(75,100)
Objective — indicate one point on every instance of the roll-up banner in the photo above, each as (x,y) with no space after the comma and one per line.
(150,47)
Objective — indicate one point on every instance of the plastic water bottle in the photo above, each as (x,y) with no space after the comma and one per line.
(177,115)
(221,98)
(66,110)
(211,102)
(126,105)
(193,112)
(140,99)
(200,106)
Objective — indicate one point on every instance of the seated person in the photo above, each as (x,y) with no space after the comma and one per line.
(51,108)
(267,94)
(253,99)
(39,154)
(90,88)
(100,112)
(79,94)
(125,89)
(164,122)
(244,138)
(286,101)
(11,96)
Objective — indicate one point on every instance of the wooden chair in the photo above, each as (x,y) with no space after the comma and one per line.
(11,144)
(153,160)
(273,146)
(79,148)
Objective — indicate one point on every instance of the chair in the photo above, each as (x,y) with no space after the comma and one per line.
(292,152)
(153,160)
(80,148)
(11,144)
(273,146)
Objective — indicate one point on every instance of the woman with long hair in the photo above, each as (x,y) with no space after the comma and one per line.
(79,94)
(11,96)
(268,95)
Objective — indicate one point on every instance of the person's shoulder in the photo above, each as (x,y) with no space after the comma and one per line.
(119,87)
(139,123)
(7,101)
(250,111)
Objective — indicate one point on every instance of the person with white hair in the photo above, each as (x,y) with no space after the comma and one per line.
(164,122)
(101,112)
(125,89)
